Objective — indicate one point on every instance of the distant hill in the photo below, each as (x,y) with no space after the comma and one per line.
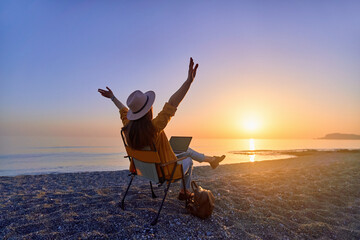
(341,136)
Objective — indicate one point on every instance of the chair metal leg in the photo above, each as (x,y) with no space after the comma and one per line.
(166,191)
(152,191)
(123,199)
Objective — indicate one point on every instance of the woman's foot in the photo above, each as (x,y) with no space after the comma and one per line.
(182,196)
(215,162)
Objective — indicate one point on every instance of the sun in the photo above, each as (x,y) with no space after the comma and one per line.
(251,124)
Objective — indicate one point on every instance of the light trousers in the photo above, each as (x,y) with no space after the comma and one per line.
(187,164)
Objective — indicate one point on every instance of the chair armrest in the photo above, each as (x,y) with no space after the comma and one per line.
(173,161)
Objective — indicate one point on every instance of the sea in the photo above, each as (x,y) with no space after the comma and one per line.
(43,155)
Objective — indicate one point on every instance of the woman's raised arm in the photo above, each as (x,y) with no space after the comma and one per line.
(179,95)
(109,94)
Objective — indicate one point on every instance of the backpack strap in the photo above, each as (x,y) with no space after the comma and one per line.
(194,185)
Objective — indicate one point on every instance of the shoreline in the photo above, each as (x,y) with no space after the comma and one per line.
(311,196)
(281,155)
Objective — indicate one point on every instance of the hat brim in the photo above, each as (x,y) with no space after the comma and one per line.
(135,116)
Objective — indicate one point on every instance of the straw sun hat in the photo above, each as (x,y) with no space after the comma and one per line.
(139,104)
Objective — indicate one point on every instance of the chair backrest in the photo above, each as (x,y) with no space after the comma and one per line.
(146,161)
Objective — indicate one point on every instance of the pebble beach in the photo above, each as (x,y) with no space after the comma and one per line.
(313,196)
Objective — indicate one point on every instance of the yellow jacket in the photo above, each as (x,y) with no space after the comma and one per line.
(162,144)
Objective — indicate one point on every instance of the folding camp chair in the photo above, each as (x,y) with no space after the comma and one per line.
(147,164)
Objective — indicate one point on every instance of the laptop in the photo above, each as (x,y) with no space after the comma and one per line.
(180,144)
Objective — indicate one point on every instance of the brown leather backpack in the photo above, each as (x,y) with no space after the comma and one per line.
(202,204)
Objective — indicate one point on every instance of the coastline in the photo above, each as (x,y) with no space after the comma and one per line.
(312,196)
(33,156)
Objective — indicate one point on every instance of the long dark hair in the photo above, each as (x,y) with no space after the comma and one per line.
(140,133)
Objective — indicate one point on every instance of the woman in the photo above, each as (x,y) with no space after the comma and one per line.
(142,130)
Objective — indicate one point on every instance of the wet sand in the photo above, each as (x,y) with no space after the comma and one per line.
(313,196)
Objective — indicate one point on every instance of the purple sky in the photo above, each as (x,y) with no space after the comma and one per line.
(293,65)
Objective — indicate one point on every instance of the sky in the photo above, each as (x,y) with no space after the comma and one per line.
(267,69)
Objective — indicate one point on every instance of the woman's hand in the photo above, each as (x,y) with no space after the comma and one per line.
(178,96)
(192,70)
(109,94)
(104,93)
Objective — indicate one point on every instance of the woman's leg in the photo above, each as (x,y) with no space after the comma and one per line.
(200,157)
(187,165)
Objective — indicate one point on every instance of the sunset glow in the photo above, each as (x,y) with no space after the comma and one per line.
(265,70)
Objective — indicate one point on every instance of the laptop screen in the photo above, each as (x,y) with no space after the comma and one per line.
(180,144)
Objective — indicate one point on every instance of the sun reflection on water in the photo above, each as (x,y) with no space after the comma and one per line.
(252,144)
(252,148)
